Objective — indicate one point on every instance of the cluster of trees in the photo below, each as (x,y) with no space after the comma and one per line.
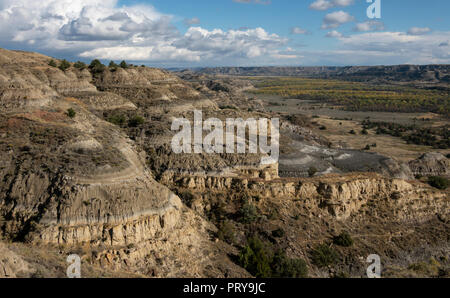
(359,96)
(96,66)
(436,137)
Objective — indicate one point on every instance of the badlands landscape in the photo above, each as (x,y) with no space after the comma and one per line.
(87,168)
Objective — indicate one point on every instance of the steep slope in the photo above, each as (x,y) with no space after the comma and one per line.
(79,180)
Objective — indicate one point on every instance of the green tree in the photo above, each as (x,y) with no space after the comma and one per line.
(324,255)
(96,66)
(80,65)
(52,63)
(64,65)
(123,64)
(255,258)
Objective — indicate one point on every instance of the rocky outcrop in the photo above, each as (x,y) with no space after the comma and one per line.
(340,197)
(431,164)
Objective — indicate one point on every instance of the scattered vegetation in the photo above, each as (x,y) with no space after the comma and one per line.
(113,66)
(259,259)
(118,120)
(436,137)
(439,182)
(344,239)
(52,63)
(358,96)
(64,65)
(80,65)
(248,213)
(136,121)
(122,120)
(324,255)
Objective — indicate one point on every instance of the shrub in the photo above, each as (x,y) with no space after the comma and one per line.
(71,113)
(255,258)
(312,171)
(367,148)
(118,120)
(64,65)
(136,121)
(344,239)
(52,63)
(364,132)
(438,182)
(323,128)
(80,65)
(448,155)
(353,132)
(249,213)
(96,66)
(259,260)
(284,267)
(324,255)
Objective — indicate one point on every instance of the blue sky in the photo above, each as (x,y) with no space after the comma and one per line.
(182,33)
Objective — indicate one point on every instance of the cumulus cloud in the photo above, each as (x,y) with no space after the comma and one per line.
(418,30)
(102,29)
(248,43)
(395,48)
(327,4)
(336,19)
(369,26)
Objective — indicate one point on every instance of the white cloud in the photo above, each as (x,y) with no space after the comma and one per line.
(334,34)
(369,26)
(394,48)
(335,19)
(101,29)
(327,4)
(298,30)
(419,31)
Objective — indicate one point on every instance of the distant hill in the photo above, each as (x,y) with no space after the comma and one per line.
(423,74)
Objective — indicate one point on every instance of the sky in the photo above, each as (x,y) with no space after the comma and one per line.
(207,33)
